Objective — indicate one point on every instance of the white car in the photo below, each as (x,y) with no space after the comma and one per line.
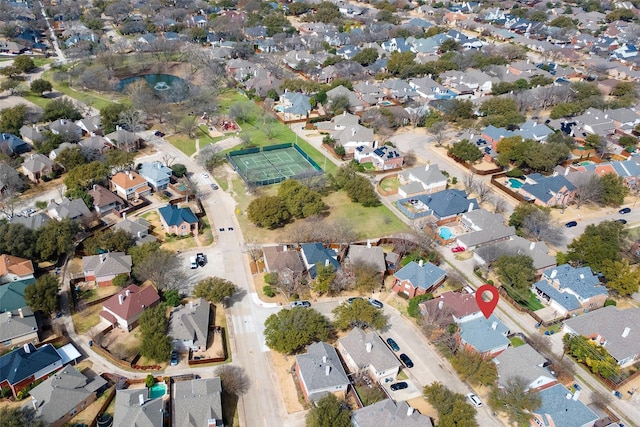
(475,400)
(205,175)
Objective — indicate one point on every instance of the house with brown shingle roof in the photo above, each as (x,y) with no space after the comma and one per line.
(13,268)
(37,166)
(278,258)
(104,201)
(130,185)
(125,308)
(463,307)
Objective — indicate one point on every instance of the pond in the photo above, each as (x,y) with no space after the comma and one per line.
(167,86)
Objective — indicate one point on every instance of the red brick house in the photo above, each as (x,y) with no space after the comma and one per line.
(104,267)
(125,308)
(418,278)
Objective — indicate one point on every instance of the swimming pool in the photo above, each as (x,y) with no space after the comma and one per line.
(445,233)
(385,103)
(157,390)
(279,108)
(515,183)
(587,162)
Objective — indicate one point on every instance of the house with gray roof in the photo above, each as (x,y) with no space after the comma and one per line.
(68,209)
(91,125)
(427,88)
(12,294)
(525,362)
(483,228)
(355,104)
(95,143)
(27,364)
(105,201)
(70,131)
(157,174)
(189,326)
(314,254)
(18,326)
(368,254)
(320,371)
(197,403)
(32,222)
(37,166)
(418,278)
(516,245)
(9,179)
(355,136)
(31,133)
(442,206)
(102,268)
(135,408)
(569,290)
(366,352)
(139,229)
(547,190)
(425,179)
(485,336)
(388,413)
(560,407)
(63,395)
(615,329)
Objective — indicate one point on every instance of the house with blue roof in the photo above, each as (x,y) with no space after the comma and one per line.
(570,290)
(25,365)
(396,44)
(485,336)
(418,278)
(628,170)
(294,105)
(178,220)
(443,205)
(561,408)
(157,174)
(548,190)
(12,145)
(314,254)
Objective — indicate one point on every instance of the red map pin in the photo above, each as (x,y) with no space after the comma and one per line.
(487,307)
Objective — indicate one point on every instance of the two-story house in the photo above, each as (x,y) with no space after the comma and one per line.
(130,185)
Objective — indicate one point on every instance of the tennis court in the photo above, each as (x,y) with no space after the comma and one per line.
(272,164)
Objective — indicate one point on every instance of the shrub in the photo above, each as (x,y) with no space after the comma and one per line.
(609,302)
(268,291)
(149,381)
(515,173)
(454,180)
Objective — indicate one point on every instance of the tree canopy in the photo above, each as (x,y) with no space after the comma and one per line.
(18,240)
(12,119)
(214,289)
(515,400)
(516,272)
(621,278)
(595,356)
(453,408)
(162,268)
(471,366)
(43,294)
(290,330)
(329,412)
(301,202)
(156,345)
(61,108)
(599,243)
(108,241)
(466,151)
(358,314)
(56,238)
(268,211)
(613,189)
(358,188)
(40,86)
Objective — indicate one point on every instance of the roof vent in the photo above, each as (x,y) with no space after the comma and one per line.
(369,346)
(120,299)
(494,325)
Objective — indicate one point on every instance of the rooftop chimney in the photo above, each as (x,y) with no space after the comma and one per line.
(568,396)
(20,313)
(532,245)
(327,369)
(124,215)
(409,411)
(576,395)
(324,359)
(626,331)
(326,262)
(494,325)
(581,276)
(190,304)
(440,305)
(129,174)
(127,292)
(95,187)
(284,248)
(141,399)
(554,273)
(120,299)
(34,402)
(27,348)
(369,345)
(470,207)
(369,244)
(421,263)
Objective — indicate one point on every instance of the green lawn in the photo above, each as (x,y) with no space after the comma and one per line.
(38,100)
(89,97)
(517,341)
(531,303)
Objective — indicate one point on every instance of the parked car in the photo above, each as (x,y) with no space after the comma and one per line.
(352,299)
(167,193)
(571,224)
(622,221)
(458,249)
(221,229)
(406,360)
(174,358)
(214,187)
(375,303)
(229,228)
(475,400)
(201,259)
(393,344)
(399,386)
(205,175)
(193,263)
(300,304)
(158,134)
(624,211)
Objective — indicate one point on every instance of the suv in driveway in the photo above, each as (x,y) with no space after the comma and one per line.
(399,386)
(624,211)
(201,259)
(475,400)
(375,303)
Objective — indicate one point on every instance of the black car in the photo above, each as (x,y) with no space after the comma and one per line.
(622,221)
(406,360)
(352,299)
(571,224)
(399,386)
(624,211)
(201,259)
(158,134)
(221,229)
(214,187)
(167,193)
(229,228)
(393,344)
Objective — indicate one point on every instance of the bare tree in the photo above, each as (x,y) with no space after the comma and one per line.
(122,351)
(538,225)
(540,343)
(343,280)
(410,159)
(167,159)
(95,334)
(189,125)
(563,367)
(234,379)
(210,157)
(469,182)
(163,269)
(482,190)
(438,131)
(416,113)
(11,185)
(588,189)
(435,319)
(499,204)
(254,249)
(601,399)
